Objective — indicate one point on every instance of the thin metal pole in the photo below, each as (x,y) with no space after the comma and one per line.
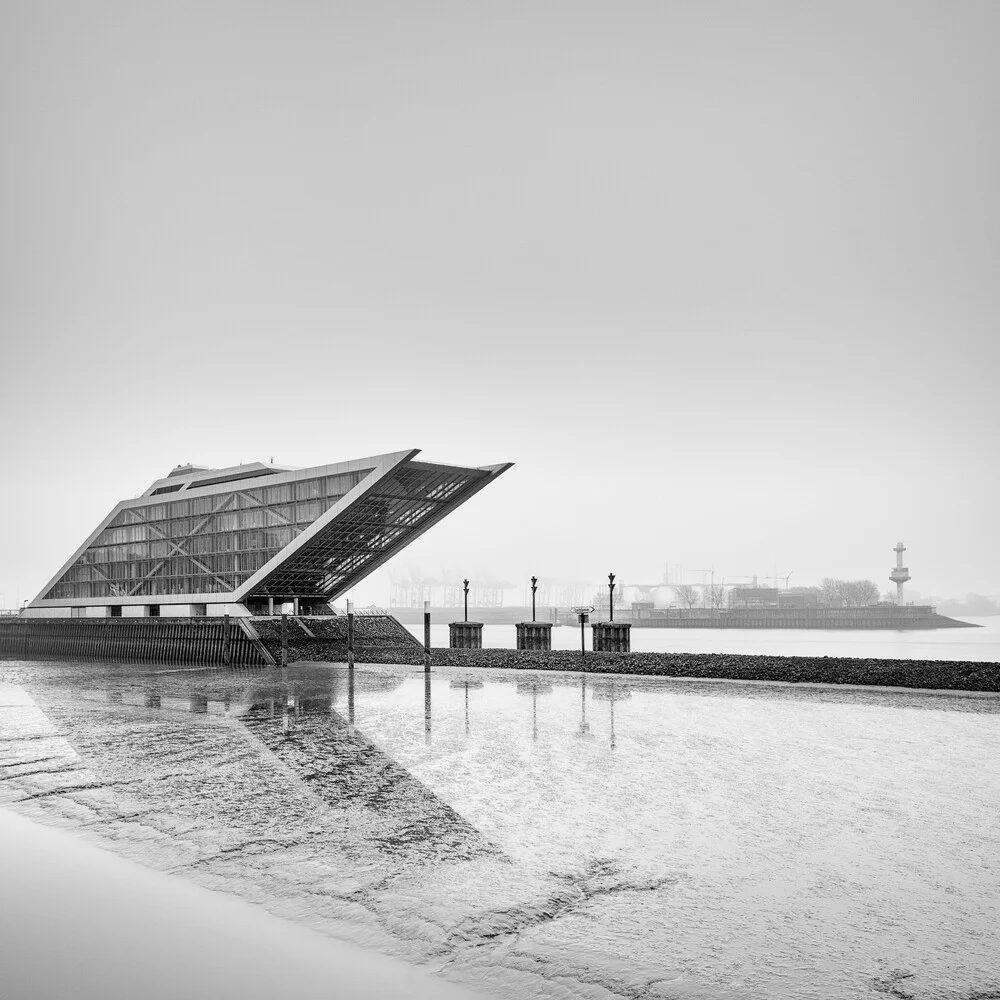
(534,587)
(427,637)
(465,585)
(611,597)
(284,639)
(583,637)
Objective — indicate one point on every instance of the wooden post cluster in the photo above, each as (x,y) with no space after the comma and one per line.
(534,635)
(611,637)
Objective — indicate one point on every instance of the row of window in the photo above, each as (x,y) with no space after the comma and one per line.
(304,489)
(223,564)
(270,539)
(300,513)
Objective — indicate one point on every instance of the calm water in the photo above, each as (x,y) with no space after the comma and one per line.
(980,644)
(548,835)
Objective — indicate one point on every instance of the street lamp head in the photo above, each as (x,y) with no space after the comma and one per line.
(611,578)
(534,581)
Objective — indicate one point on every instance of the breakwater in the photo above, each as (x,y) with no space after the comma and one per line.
(876,617)
(953,675)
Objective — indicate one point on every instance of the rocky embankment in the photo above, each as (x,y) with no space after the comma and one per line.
(938,674)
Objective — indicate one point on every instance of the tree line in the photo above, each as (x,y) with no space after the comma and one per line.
(848,593)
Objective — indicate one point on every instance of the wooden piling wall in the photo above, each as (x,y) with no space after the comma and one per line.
(137,640)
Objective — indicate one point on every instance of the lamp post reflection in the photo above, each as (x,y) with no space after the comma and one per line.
(350,700)
(610,691)
(427,708)
(465,684)
(584,725)
(534,686)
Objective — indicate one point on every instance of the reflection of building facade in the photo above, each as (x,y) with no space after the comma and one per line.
(244,539)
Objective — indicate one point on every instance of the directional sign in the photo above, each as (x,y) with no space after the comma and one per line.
(583,610)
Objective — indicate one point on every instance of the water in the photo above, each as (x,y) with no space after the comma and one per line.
(979,644)
(548,835)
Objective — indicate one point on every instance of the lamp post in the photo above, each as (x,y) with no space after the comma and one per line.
(465,588)
(534,587)
(611,597)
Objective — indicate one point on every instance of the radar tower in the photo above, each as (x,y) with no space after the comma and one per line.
(900,574)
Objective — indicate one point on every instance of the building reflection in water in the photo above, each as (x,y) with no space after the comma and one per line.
(295,717)
(534,686)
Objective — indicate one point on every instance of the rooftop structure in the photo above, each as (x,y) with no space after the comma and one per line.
(240,540)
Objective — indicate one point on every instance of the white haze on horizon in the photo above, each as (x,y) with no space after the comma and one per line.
(720,278)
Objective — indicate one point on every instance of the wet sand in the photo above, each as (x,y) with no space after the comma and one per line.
(79,922)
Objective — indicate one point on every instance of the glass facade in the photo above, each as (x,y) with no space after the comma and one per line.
(198,545)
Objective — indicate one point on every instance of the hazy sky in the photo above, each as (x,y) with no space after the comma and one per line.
(721,278)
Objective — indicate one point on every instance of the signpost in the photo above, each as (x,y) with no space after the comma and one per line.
(583,611)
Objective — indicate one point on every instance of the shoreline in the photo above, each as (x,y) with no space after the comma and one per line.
(828,671)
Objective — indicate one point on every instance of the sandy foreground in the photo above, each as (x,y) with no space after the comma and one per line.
(77,922)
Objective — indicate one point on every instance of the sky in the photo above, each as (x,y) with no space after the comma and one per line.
(721,279)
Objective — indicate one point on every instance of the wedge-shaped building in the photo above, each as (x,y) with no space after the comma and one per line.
(251,538)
